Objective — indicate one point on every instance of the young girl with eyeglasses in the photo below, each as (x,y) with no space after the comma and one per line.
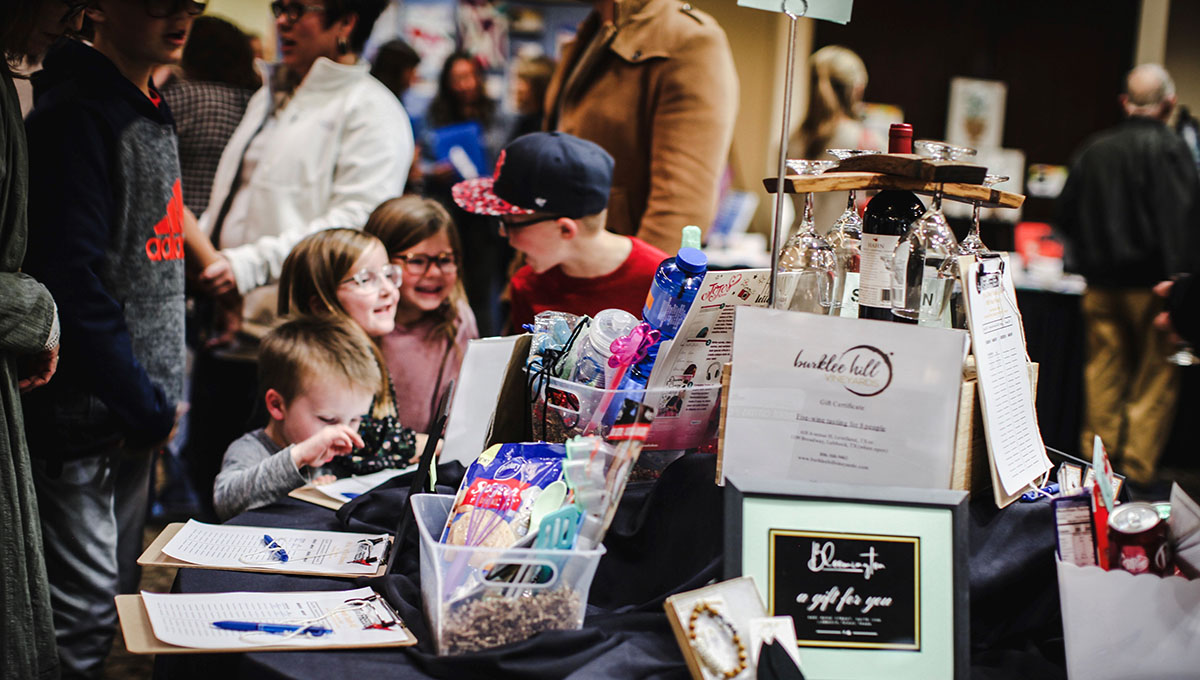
(346,273)
(434,323)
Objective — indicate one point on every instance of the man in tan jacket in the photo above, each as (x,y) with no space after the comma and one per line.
(653,83)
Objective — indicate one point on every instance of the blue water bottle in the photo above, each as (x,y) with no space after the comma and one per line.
(671,294)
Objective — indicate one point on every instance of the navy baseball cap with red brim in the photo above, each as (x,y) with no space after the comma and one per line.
(548,172)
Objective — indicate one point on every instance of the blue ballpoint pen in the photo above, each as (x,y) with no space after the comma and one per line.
(275,548)
(279,628)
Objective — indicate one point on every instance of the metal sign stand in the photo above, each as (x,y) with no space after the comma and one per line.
(778,230)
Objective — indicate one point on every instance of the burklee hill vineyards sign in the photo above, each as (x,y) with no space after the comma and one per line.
(853,591)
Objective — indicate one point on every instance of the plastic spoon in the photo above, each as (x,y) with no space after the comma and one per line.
(548,501)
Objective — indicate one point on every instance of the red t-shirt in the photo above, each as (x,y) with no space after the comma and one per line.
(626,288)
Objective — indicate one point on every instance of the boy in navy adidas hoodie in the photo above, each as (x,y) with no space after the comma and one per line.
(106,237)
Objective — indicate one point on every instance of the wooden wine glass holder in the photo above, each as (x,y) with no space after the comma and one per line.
(844,181)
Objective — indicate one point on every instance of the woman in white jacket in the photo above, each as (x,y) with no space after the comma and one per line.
(321,144)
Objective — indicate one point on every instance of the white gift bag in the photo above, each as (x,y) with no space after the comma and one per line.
(1126,627)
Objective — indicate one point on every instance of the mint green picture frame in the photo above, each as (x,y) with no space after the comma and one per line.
(935,518)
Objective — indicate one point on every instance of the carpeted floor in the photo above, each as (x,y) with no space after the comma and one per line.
(121,664)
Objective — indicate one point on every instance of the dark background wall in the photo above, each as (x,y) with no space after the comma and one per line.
(1064,62)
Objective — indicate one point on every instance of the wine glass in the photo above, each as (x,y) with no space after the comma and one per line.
(971,243)
(807,266)
(1183,355)
(845,237)
(918,289)
(948,272)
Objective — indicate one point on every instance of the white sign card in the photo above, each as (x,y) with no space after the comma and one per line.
(694,359)
(474,400)
(837,11)
(828,399)
(1009,419)
(975,118)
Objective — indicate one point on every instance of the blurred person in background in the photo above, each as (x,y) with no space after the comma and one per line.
(256,45)
(837,80)
(208,102)
(1129,213)
(460,99)
(434,323)
(29,355)
(653,83)
(321,144)
(395,66)
(533,77)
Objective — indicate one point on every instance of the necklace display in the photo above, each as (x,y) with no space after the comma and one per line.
(704,608)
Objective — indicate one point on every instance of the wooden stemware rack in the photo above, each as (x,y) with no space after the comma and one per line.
(844,181)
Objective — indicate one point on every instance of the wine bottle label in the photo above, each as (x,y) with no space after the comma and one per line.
(850,296)
(875,282)
(900,290)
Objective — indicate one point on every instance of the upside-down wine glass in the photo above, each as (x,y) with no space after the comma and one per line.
(970,245)
(807,266)
(918,291)
(1184,354)
(845,237)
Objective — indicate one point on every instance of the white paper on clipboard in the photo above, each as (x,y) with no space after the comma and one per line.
(474,402)
(1014,441)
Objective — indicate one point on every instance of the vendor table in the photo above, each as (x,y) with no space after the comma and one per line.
(666,538)
(1054,338)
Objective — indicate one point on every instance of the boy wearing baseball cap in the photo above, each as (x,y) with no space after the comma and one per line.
(550,195)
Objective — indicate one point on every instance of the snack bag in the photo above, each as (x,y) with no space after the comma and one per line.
(494,502)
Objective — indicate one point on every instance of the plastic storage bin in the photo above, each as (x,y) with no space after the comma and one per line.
(684,417)
(470,610)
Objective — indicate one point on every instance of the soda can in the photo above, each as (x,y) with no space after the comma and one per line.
(1137,540)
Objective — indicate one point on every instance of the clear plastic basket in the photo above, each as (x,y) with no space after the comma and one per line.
(469,609)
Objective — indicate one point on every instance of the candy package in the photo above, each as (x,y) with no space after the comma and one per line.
(494,502)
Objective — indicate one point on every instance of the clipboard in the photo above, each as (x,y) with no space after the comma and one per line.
(309,494)
(987,271)
(139,635)
(155,557)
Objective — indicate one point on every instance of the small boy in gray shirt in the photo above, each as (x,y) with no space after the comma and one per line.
(319,377)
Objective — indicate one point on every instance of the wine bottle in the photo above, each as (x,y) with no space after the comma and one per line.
(885,222)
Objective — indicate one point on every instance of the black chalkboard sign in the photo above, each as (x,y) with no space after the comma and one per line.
(855,591)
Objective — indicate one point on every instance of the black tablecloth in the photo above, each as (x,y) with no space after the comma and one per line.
(1054,338)
(667,538)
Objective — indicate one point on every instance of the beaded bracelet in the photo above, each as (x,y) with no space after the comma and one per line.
(705,607)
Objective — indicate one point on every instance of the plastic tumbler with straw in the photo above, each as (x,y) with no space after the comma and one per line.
(626,350)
